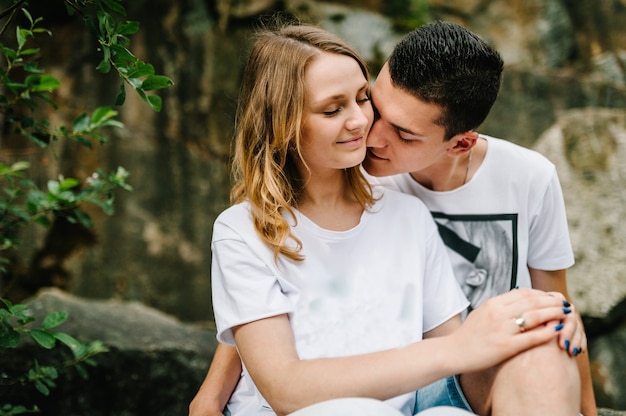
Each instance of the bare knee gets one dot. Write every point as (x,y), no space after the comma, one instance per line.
(541,380)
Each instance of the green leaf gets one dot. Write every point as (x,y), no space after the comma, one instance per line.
(136,83)
(54,319)
(42,388)
(9,337)
(20,165)
(42,30)
(82,140)
(53,187)
(104,66)
(21,35)
(156,82)
(28,16)
(122,56)
(81,123)
(44,82)
(155,102)
(48,83)
(102,114)
(121,97)
(74,345)
(50,373)
(128,28)
(83,218)
(30,51)
(17,308)
(6,302)
(33,68)
(43,220)
(68,183)
(115,6)
(106,24)
(43,338)
(34,139)
(10,53)
(141,69)
(81,371)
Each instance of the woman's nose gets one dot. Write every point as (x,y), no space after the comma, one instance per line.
(359,118)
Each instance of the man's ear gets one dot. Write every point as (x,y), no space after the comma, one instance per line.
(462,143)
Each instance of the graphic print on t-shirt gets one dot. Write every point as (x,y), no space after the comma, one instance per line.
(483,252)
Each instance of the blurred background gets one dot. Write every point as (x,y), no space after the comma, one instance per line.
(564,94)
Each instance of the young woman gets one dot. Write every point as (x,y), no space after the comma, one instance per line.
(327,287)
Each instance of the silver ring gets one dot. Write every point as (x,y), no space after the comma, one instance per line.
(520,322)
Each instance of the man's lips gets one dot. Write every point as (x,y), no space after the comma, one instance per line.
(372,155)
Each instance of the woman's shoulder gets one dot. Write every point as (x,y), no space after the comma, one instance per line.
(235,218)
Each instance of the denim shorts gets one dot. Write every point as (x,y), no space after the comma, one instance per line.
(445,392)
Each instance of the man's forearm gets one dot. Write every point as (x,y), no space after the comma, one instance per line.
(219,383)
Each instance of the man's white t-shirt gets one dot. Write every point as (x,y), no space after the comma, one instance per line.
(508,217)
(377,286)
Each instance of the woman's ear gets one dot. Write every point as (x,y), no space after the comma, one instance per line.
(462,143)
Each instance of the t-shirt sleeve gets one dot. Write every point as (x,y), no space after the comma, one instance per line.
(245,287)
(443,297)
(549,246)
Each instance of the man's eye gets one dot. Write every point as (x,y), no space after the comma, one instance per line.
(405,140)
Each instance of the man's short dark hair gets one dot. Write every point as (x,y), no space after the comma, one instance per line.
(445,64)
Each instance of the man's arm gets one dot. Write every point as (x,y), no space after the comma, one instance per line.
(555,281)
(219,384)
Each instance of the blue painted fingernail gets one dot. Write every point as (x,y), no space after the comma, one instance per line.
(576,351)
(567,344)
(558,327)
(566,304)
(566,310)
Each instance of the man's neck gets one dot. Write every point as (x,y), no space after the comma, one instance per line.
(452,172)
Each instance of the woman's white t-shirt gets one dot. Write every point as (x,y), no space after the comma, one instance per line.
(377,286)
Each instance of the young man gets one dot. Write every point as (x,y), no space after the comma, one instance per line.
(429,133)
(498,206)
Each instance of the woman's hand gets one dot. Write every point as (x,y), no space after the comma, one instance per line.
(508,324)
(572,337)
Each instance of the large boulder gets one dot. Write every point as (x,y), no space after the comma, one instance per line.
(154,367)
(588,147)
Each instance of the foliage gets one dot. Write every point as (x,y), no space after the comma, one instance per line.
(24,87)
(14,324)
(407,15)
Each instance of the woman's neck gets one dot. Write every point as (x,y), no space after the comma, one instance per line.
(330,203)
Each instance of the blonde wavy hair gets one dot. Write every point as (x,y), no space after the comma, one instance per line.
(268,130)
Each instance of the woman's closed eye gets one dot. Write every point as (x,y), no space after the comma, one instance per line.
(332,112)
(335,111)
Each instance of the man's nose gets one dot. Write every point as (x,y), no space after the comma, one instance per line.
(375,138)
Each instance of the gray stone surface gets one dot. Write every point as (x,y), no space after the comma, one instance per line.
(588,147)
(154,367)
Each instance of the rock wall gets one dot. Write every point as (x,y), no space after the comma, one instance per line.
(154,367)
(588,147)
